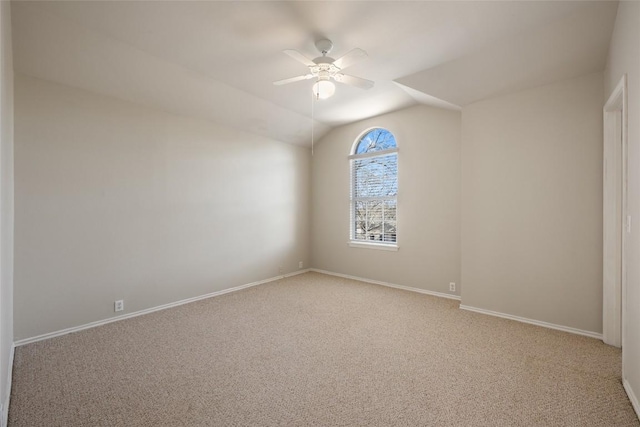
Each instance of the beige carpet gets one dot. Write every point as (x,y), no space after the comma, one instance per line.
(315,350)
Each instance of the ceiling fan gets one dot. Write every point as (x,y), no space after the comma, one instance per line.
(325,69)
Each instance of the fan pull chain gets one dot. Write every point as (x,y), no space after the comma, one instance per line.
(312,119)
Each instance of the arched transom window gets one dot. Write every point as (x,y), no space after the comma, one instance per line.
(374,188)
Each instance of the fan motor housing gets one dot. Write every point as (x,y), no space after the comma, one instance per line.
(323,60)
(324,46)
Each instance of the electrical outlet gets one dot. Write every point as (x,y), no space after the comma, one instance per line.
(452,287)
(300,264)
(280,269)
(118,305)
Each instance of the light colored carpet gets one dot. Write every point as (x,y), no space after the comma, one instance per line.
(316,350)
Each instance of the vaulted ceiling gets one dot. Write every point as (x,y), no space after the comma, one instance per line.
(217,60)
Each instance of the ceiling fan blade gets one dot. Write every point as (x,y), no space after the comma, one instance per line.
(299,57)
(293,79)
(350,58)
(354,81)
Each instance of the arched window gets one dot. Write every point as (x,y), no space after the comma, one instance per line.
(374,188)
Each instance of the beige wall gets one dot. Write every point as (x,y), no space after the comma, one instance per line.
(532,204)
(624,57)
(119,201)
(6,200)
(428,201)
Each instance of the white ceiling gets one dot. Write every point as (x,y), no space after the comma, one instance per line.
(217,60)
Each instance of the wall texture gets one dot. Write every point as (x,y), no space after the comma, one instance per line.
(624,57)
(532,204)
(119,201)
(428,201)
(6,201)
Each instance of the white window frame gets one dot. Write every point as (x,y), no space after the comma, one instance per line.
(385,246)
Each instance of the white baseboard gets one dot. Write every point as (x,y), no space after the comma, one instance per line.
(151,310)
(5,405)
(632,397)
(390,285)
(533,322)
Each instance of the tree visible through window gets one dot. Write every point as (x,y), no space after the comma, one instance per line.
(374,188)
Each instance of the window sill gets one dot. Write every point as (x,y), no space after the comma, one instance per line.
(378,246)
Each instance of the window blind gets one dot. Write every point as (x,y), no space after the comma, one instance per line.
(374,197)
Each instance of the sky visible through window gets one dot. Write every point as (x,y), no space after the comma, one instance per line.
(376,140)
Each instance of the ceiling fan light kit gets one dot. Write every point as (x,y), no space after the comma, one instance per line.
(324,69)
(323,89)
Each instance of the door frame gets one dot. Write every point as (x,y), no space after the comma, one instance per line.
(616,223)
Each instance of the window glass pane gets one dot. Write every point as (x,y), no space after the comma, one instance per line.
(376,140)
(368,220)
(360,218)
(389,224)
(376,176)
(375,220)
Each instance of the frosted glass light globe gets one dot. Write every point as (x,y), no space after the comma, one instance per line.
(323,89)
